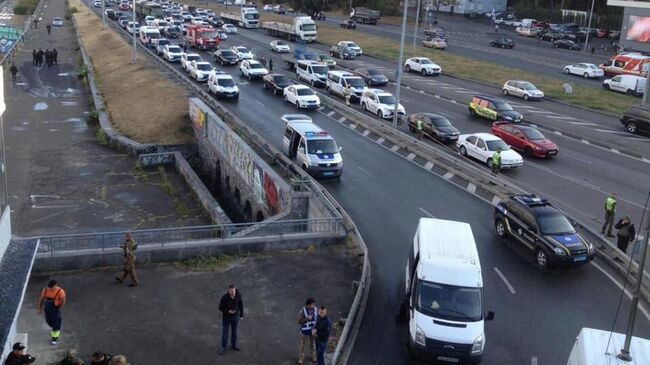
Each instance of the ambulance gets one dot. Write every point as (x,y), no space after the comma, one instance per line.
(627,63)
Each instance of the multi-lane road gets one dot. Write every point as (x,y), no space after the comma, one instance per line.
(538,313)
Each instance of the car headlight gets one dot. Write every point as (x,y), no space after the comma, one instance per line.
(420,339)
(507,117)
(558,251)
(477,346)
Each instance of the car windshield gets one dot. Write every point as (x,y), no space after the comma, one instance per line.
(355,82)
(351,45)
(318,146)
(281,80)
(593,67)
(372,72)
(309,27)
(441,122)
(252,16)
(426,61)
(242,49)
(304,92)
(493,145)
(454,303)
(193,57)
(226,82)
(281,43)
(528,86)
(211,34)
(204,66)
(163,42)
(386,99)
(555,224)
(502,106)
(533,134)
(325,57)
(319,69)
(227,53)
(162,24)
(174,49)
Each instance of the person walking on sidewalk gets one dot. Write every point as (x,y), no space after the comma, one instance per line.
(35,57)
(610,212)
(307,322)
(270,64)
(40,57)
(626,233)
(52,301)
(49,29)
(18,356)
(322,334)
(232,309)
(14,71)
(129,247)
(36,23)
(55,56)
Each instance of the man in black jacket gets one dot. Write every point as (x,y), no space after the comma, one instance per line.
(232,308)
(625,234)
(322,334)
(18,357)
(100,358)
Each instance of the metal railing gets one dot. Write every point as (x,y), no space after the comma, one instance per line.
(24,37)
(164,236)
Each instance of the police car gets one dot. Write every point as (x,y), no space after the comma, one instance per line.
(542,228)
(311,147)
(492,108)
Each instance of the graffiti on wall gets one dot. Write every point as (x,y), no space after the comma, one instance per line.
(197,116)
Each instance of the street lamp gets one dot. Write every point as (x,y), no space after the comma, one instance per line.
(399,65)
(417,20)
(135,45)
(591,13)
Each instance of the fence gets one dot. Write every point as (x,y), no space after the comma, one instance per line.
(107,240)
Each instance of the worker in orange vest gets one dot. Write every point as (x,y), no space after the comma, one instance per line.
(52,300)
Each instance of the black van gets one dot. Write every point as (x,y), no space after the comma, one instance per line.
(636,119)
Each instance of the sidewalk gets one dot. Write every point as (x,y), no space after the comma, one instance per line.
(173,316)
(61,179)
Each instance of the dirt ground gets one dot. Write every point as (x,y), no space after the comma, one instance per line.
(143,104)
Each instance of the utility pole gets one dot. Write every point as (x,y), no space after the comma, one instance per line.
(135,45)
(625,352)
(591,13)
(646,68)
(399,65)
(417,19)
(103,13)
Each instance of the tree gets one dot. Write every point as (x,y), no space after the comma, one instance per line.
(309,7)
(438,3)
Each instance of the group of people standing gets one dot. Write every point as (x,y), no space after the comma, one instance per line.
(626,232)
(50,57)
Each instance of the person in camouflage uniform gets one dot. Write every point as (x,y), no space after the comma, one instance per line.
(129,248)
(71,358)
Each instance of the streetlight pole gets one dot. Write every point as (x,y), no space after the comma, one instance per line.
(135,45)
(399,65)
(417,19)
(103,13)
(591,13)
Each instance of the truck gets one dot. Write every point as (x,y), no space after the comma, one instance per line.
(291,60)
(202,37)
(364,15)
(591,348)
(144,8)
(246,17)
(303,28)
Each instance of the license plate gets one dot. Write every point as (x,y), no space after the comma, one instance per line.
(580,258)
(552,152)
(448,359)
(328,173)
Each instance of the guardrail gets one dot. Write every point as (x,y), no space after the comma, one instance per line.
(24,37)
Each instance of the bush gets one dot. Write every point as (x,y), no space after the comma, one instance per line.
(25,7)
(21,10)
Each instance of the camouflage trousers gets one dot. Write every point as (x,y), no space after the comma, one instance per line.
(310,342)
(129,270)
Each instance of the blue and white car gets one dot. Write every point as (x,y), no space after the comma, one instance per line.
(312,148)
(172,53)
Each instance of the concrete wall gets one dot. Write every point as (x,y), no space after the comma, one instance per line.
(5,230)
(630,45)
(233,170)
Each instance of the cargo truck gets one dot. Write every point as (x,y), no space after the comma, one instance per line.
(144,8)
(364,15)
(246,17)
(598,347)
(202,37)
(303,28)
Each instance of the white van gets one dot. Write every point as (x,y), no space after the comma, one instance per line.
(528,23)
(591,348)
(338,81)
(311,147)
(148,33)
(629,84)
(444,290)
(313,72)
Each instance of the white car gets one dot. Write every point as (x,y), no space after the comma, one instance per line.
(351,45)
(301,96)
(222,85)
(252,69)
(382,103)
(132,27)
(186,58)
(222,35)
(482,146)
(97,3)
(268,7)
(200,70)
(172,53)
(229,28)
(422,65)
(242,53)
(280,46)
(57,22)
(586,70)
(527,32)
(523,89)
(150,20)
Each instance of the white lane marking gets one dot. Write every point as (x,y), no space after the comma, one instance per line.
(366,172)
(330,113)
(570,178)
(448,175)
(422,92)
(411,156)
(495,200)
(341,119)
(465,92)
(259,102)
(540,111)
(645,159)
(437,96)
(453,101)
(584,141)
(380,140)
(614,150)
(505,280)
(394,148)
(620,286)
(560,117)
(427,213)
(533,360)
(558,133)
(428,165)
(585,123)
(471,188)
(365,133)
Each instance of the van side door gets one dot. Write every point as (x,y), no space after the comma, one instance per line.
(286,140)
(301,154)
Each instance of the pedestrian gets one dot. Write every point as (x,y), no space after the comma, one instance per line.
(47,57)
(348,94)
(129,247)
(231,306)
(100,358)
(40,57)
(52,300)
(610,212)
(593,49)
(71,358)
(307,321)
(420,128)
(35,57)
(55,56)
(36,23)
(119,360)
(270,64)
(49,29)
(322,334)
(496,161)
(14,71)
(626,233)
(18,356)
(539,37)
(496,28)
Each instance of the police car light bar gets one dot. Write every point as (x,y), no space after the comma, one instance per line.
(311,134)
(531,199)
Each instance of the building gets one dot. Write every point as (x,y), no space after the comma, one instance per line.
(635,30)
(468,7)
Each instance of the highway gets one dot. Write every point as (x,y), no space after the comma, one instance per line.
(538,313)
(471,37)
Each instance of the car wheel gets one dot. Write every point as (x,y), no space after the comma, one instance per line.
(500,228)
(472,112)
(528,151)
(505,92)
(631,127)
(313,84)
(541,258)
(364,106)
(463,151)
(556,46)
(606,86)
(489,162)
(408,68)
(503,46)
(586,75)
(567,71)
(525,97)
(297,104)
(412,129)
(423,72)
(380,114)
(630,92)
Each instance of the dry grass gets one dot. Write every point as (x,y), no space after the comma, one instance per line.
(143,104)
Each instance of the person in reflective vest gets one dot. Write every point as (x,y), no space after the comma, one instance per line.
(496,161)
(307,320)
(52,300)
(420,127)
(610,212)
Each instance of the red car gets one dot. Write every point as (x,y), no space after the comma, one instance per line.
(602,33)
(525,138)
(124,6)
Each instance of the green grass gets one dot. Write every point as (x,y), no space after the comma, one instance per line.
(25,7)
(208,263)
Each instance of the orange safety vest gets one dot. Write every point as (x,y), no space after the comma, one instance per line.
(57,294)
